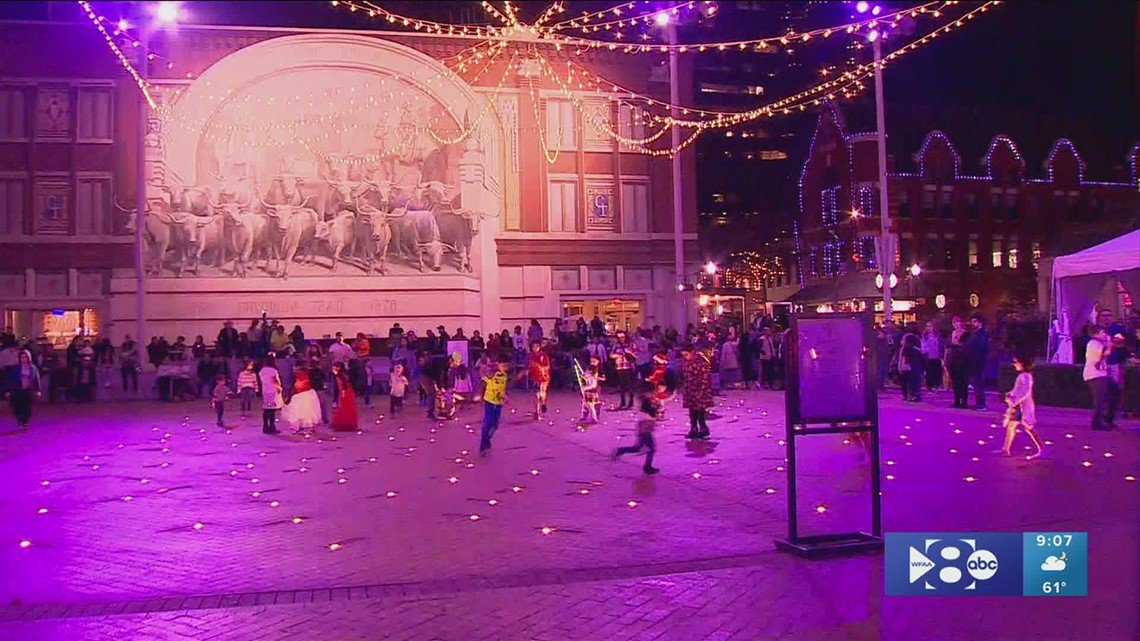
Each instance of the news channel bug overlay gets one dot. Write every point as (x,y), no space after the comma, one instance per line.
(953,563)
(1055,563)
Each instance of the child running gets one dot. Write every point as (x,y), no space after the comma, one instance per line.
(494,396)
(1021,409)
(650,407)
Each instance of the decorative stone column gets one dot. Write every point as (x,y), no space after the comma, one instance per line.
(475,196)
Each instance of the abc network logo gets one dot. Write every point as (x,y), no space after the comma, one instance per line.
(959,563)
(953,563)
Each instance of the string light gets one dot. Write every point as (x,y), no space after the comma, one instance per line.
(843,83)
(373,10)
(935,9)
(123,60)
(851,79)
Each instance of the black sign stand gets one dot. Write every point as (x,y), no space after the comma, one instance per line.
(800,423)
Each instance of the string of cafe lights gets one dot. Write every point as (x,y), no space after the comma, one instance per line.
(847,85)
(859,73)
(934,8)
(466,131)
(143,86)
(373,10)
(589,80)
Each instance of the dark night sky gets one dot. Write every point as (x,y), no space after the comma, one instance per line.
(1076,58)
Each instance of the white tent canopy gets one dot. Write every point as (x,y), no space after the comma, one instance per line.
(1079,278)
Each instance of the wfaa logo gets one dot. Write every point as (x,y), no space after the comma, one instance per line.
(953,564)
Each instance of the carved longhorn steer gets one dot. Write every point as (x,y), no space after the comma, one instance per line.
(338,233)
(297,227)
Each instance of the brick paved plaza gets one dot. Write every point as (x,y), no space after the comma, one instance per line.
(145,521)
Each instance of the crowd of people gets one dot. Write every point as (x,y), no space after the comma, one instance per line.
(309,382)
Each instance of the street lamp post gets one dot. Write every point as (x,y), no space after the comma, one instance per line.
(165,14)
(678,218)
(887,251)
(140,188)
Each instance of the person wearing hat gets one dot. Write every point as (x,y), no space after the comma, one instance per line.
(443,338)
(624,360)
(696,384)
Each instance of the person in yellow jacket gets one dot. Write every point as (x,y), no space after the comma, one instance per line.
(494,396)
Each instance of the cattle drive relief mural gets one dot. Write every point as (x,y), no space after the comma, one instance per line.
(310,173)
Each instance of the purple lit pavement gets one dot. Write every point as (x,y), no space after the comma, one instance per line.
(129,521)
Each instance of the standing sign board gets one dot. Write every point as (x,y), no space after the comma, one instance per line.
(831,389)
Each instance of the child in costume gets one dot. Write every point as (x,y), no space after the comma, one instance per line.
(1021,410)
(539,369)
(591,394)
(459,383)
(651,411)
(494,396)
(304,408)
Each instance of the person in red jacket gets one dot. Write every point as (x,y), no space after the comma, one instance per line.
(538,366)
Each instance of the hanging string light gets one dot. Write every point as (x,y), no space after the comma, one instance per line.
(373,10)
(143,86)
(594,81)
(935,9)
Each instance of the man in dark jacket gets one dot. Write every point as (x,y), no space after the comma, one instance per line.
(976,352)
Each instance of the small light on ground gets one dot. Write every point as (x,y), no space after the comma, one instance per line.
(25,544)
(297,519)
(632,503)
(198,526)
(474,517)
(452,480)
(334,547)
(547,530)
(42,510)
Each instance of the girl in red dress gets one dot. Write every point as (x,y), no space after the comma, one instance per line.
(344,419)
(539,366)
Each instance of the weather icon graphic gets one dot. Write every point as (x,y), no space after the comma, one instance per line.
(1054,564)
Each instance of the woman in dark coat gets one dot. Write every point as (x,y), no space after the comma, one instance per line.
(696,386)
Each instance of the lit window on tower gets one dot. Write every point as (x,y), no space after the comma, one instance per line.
(830,206)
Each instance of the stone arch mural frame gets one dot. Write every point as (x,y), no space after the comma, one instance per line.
(172,160)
